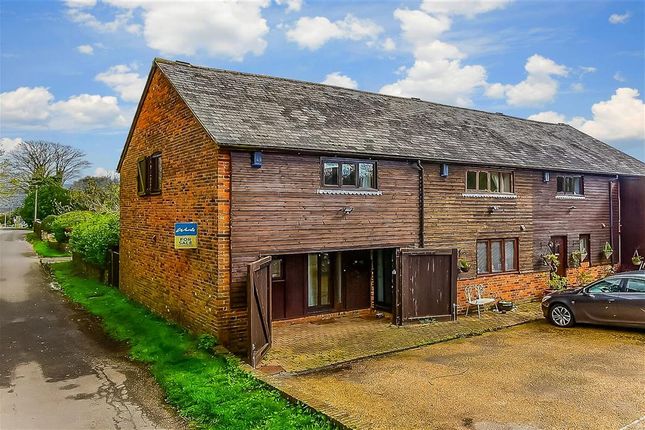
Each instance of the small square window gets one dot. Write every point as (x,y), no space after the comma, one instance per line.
(366,175)
(349,174)
(471,180)
(483,181)
(330,173)
(277,269)
(494,182)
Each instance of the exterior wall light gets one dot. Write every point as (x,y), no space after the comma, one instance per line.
(347,210)
(256,159)
(546,176)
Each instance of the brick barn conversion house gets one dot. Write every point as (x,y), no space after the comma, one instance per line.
(311,199)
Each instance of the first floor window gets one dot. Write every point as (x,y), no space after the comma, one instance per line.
(149,175)
(489,181)
(349,174)
(570,185)
(496,255)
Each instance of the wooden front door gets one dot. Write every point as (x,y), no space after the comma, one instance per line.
(560,249)
(259,309)
(356,267)
(426,285)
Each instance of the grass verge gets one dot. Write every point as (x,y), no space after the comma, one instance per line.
(43,249)
(209,389)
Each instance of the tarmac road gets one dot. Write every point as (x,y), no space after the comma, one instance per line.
(57,368)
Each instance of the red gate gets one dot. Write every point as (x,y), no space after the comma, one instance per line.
(259,309)
(426,284)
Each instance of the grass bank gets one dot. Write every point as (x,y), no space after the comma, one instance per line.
(43,249)
(209,389)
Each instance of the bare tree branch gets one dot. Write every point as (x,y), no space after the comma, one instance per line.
(38,159)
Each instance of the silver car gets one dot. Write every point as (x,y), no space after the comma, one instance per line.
(615,300)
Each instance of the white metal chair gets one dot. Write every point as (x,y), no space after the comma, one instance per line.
(475,297)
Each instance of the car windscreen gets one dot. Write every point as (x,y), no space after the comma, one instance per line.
(605,286)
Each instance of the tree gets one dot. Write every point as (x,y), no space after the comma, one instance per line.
(95,193)
(39,159)
(51,197)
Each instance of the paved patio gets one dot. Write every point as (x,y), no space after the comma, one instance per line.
(308,346)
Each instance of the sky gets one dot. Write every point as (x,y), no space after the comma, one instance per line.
(73,71)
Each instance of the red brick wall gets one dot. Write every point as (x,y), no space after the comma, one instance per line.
(524,286)
(180,285)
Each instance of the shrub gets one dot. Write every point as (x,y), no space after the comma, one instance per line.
(50,196)
(46,225)
(94,236)
(206,342)
(63,225)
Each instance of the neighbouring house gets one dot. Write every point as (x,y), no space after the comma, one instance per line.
(311,200)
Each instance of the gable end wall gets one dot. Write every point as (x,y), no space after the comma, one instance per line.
(180,285)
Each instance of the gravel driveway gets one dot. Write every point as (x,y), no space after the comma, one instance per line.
(532,376)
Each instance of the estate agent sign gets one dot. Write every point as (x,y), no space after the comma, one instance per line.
(185,235)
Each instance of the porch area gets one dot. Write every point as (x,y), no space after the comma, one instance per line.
(306,346)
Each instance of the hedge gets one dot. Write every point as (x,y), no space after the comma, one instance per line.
(92,237)
(63,225)
(46,224)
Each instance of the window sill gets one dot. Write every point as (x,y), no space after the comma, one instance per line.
(351,192)
(569,197)
(491,195)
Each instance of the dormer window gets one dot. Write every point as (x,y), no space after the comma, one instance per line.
(570,185)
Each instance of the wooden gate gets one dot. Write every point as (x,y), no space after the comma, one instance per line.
(426,284)
(259,309)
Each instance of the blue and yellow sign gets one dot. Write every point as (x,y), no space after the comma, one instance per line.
(185,235)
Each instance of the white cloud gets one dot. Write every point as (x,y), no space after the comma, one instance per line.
(538,88)
(619,18)
(418,27)
(622,117)
(224,28)
(25,105)
(7,144)
(619,77)
(124,81)
(312,33)
(35,108)
(468,8)
(438,73)
(340,80)
(107,173)
(548,116)
(577,87)
(292,5)
(85,49)
(388,44)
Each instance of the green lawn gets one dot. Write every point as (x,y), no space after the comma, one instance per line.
(43,249)
(209,389)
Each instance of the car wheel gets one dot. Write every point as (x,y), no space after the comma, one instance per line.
(561,315)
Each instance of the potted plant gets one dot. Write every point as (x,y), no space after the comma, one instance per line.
(637,260)
(556,282)
(575,259)
(607,250)
(583,278)
(464,265)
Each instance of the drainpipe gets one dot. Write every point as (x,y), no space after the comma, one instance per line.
(611,220)
(421,205)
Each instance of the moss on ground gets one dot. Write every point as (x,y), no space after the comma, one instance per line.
(209,389)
